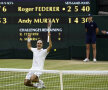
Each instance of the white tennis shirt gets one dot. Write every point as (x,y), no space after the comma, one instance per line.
(38,58)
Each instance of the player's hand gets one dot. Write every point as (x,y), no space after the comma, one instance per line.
(29,35)
(49,34)
(49,22)
(103,31)
(49,19)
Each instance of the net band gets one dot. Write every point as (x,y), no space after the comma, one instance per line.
(55,71)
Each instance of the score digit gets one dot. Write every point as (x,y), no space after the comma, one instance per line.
(3,20)
(84,20)
(3,9)
(69,8)
(76,9)
(76,20)
(85,8)
(69,19)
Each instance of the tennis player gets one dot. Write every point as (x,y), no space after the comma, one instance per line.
(39,55)
(91,31)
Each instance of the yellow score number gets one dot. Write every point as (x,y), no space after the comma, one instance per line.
(78,20)
(3,8)
(3,20)
(85,9)
(76,9)
(69,8)
(84,20)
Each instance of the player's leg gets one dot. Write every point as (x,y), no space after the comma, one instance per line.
(94,47)
(34,78)
(27,82)
(87,48)
(94,52)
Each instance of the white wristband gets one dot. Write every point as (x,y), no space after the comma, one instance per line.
(28,40)
(106,32)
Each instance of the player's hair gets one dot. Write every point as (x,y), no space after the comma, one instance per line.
(40,39)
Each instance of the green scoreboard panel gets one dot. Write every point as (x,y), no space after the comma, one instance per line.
(18,18)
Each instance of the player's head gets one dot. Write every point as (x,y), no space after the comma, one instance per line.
(39,44)
(90,18)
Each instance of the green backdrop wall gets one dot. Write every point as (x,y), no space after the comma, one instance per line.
(71,47)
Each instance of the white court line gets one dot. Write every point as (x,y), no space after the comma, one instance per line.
(86,88)
(11,84)
(70,87)
(10,76)
(25,75)
(6,77)
(85,81)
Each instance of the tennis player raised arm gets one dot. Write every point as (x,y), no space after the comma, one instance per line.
(50,43)
(29,42)
(49,35)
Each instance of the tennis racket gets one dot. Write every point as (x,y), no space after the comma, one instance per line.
(49,28)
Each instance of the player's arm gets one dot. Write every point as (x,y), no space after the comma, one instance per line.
(96,27)
(104,32)
(29,42)
(50,43)
(97,30)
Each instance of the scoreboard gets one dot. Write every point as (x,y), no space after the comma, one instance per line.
(57,6)
(37,11)
(18,18)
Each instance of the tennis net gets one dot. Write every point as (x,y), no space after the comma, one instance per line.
(13,79)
